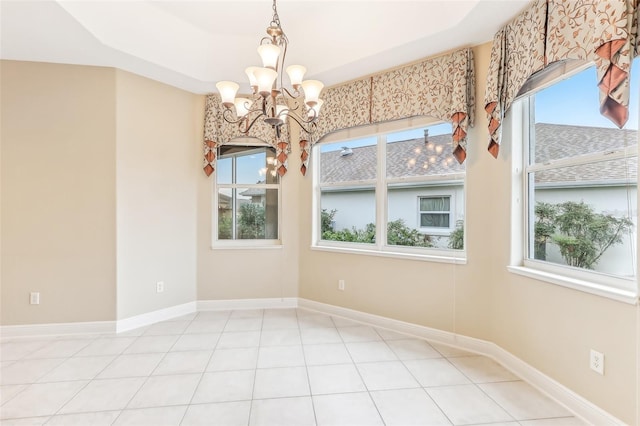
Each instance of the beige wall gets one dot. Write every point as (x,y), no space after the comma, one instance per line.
(143,138)
(249,273)
(547,326)
(58,192)
(159,132)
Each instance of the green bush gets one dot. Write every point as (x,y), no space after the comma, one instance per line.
(397,233)
(251,221)
(581,234)
(456,239)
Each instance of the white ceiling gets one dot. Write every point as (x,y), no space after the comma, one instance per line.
(194,44)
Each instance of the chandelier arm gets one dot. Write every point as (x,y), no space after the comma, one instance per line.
(311,128)
(249,126)
(296,93)
(228,115)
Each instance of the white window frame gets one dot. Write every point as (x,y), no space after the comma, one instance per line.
(380,185)
(518,126)
(217,243)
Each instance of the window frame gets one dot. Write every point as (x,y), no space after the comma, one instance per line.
(519,125)
(380,185)
(253,145)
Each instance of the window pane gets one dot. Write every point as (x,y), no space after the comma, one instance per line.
(225,214)
(224,170)
(348,161)
(251,168)
(580,216)
(413,205)
(436,220)
(435,204)
(348,215)
(256,213)
(416,156)
(249,210)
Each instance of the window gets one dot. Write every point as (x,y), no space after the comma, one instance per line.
(400,192)
(435,212)
(579,186)
(247,194)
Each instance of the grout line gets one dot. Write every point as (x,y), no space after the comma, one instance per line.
(306,367)
(195,390)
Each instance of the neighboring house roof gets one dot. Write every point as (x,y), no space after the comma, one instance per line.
(253,192)
(553,141)
(404,159)
(557,141)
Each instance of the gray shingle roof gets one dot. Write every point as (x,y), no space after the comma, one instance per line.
(556,141)
(553,141)
(404,159)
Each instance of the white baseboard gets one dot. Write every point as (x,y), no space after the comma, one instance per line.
(59,329)
(155,316)
(581,407)
(266,303)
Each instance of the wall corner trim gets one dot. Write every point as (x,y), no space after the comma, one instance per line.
(575,403)
(155,316)
(58,329)
(266,303)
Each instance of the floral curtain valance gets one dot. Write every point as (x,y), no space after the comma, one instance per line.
(442,87)
(604,31)
(218,132)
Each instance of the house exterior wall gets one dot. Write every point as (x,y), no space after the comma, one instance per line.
(357,208)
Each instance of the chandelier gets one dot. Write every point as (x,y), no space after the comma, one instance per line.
(270,100)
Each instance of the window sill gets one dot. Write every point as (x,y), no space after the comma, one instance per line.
(247,245)
(461,259)
(620,295)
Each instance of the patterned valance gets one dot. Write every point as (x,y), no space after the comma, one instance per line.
(603,31)
(441,87)
(218,132)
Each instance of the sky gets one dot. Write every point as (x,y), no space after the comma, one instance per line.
(583,106)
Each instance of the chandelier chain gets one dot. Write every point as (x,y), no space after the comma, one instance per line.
(276,19)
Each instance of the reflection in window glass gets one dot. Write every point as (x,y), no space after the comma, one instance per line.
(422,189)
(247,193)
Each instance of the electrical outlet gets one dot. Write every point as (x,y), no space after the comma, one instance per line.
(34,298)
(341,285)
(159,286)
(596,361)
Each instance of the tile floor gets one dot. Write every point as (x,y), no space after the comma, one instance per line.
(260,367)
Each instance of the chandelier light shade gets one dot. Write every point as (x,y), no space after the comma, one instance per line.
(271,101)
(228,90)
(312,89)
(243,105)
(296,73)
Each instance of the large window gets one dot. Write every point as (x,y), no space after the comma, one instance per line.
(399,192)
(580,185)
(247,194)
